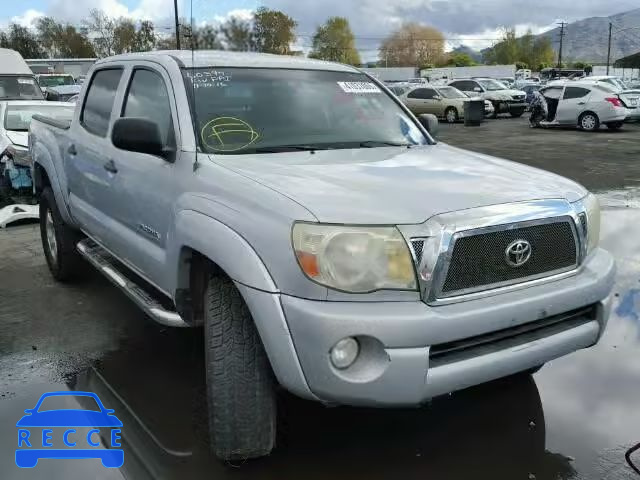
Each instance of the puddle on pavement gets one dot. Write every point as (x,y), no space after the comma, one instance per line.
(573,419)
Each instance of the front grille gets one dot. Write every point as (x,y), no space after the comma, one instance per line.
(479,261)
(471,347)
(418,246)
(518,97)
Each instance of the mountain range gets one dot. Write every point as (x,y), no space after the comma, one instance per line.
(587,40)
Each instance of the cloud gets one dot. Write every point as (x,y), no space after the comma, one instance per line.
(244,14)
(28,18)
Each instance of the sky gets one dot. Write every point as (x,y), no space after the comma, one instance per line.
(475,23)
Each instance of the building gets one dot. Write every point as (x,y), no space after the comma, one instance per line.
(73,66)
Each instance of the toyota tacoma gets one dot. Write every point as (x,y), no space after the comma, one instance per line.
(326,242)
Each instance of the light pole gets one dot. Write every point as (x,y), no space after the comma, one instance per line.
(175,12)
(609,49)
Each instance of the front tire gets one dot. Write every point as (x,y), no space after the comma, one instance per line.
(517,113)
(58,240)
(614,125)
(589,122)
(240,384)
(451,115)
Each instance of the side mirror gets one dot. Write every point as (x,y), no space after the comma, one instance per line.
(477,89)
(437,97)
(138,135)
(430,123)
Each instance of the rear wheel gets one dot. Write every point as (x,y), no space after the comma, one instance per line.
(589,122)
(614,125)
(58,240)
(240,383)
(451,115)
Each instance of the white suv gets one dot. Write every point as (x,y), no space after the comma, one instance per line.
(503,98)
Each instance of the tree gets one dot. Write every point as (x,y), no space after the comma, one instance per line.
(145,37)
(125,36)
(459,59)
(24,41)
(237,35)
(334,41)
(273,31)
(103,29)
(413,45)
(542,52)
(206,38)
(64,41)
(526,50)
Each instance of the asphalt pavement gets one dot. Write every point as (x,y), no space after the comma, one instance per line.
(572,420)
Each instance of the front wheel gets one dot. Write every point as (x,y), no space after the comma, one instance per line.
(451,115)
(58,240)
(614,125)
(589,122)
(517,113)
(240,384)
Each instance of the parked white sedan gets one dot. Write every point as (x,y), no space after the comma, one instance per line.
(585,104)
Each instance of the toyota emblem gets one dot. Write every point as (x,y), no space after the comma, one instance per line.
(518,253)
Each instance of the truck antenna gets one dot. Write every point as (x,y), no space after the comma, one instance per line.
(193,89)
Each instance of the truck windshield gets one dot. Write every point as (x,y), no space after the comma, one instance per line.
(18,117)
(258,110)
(55,80)
(14,87)
(492,85)
(450,92)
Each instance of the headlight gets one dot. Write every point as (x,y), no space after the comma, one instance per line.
(354,259)
(592,208)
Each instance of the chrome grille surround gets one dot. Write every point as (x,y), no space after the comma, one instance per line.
(494,272)
(439,235)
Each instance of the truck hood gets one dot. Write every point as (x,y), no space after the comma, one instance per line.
(65,89)
(18,138)
(503,94)
(397,185)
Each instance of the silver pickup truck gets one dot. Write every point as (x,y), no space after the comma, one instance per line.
(314,227)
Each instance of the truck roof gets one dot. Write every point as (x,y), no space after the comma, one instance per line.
(219,58)
(12,63)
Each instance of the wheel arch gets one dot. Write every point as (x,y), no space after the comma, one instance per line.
(587,112)
(194,272)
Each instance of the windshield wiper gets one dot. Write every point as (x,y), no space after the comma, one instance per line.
(382,143)
(285,148)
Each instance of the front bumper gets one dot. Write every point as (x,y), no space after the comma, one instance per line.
(395,337)
(508,106)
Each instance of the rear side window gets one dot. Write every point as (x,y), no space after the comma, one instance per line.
(148,98)
(99,101)
(423,93)
(575,92)
(465,85)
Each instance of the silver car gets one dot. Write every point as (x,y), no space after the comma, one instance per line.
(585,104)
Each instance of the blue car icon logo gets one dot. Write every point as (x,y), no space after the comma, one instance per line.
(39,428)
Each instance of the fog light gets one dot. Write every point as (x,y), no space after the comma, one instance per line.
(345,352)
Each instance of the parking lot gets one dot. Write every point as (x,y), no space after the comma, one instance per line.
(573,419)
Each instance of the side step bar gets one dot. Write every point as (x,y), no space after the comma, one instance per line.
(114,271)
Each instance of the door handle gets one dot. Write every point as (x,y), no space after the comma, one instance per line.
(110,167)
(582,103)
(72,150)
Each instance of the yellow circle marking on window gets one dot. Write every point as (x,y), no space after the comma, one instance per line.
(215,132)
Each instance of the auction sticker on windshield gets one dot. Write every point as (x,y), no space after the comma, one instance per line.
(359,87)
(69,425)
